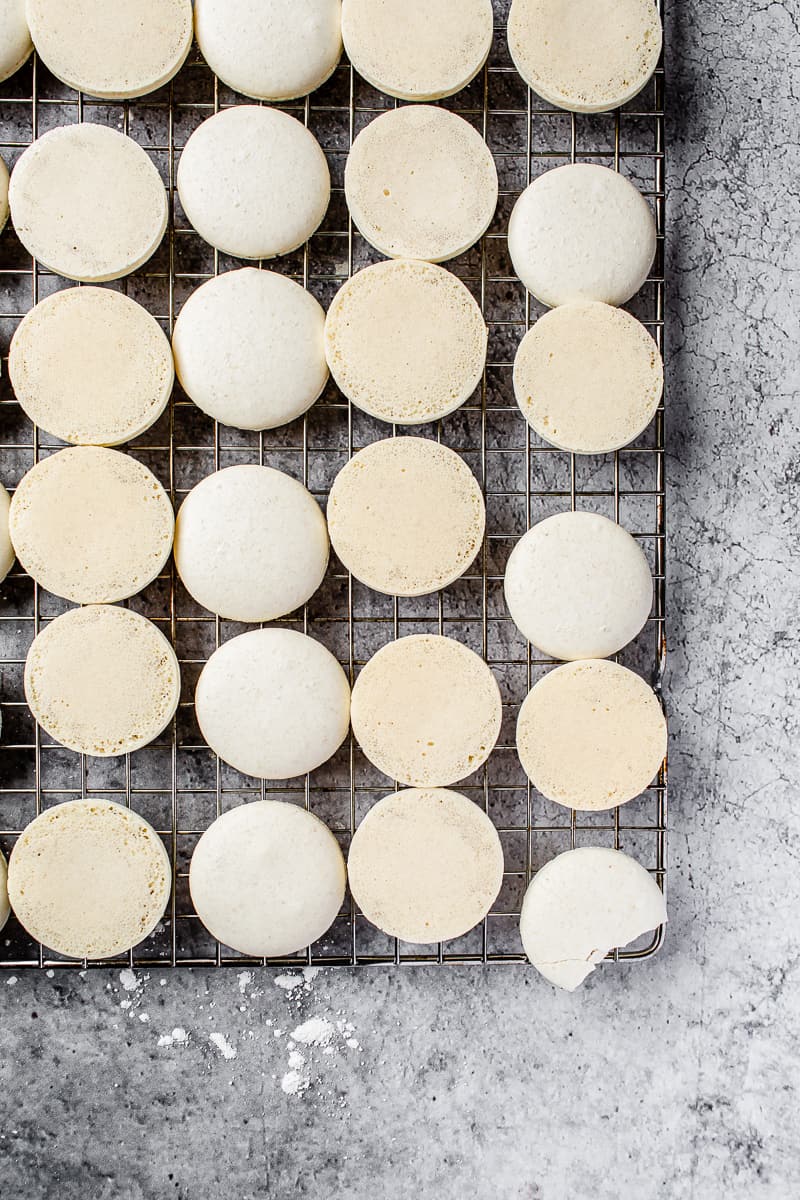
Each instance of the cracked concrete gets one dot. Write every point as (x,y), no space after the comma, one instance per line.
(677,1080)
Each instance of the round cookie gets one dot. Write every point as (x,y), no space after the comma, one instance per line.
(91,525)
(3,195)
(588,377)
(5,907)
(249,349)
(581,905)
(89,879)
(406,516)
(15,38)
(578,586)
(7,554)
(88,203)
(591,735)
(270,49)
(251,543)
(426,710)
(267,878)
(273,703)
(585,55)
(102,680)
(406,341)
(91,366)
(418,49)
(582,232)
(253,181)
(420,182)
(425,865)
(113,51)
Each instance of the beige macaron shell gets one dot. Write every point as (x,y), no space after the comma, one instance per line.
(102,680)
(418,49)
(92,525)
(91,366)
(267,878)
(591,735)
(7,554)
(3,195)
(112,51)
(5,907)
(585,55)
(273,703)
(89,879)
(425,865)
(251,543)
(420,182)
(406,341)
(15,38)
(582,232)
(588,377)
(406,516)
(88,203)
(270,49)
(253,181)
(249,349)
(581,905)
(426,710)
(578,585)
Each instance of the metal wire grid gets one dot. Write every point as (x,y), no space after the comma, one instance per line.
(177,783)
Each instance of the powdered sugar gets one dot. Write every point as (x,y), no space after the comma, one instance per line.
(227,1051)
(314,1032)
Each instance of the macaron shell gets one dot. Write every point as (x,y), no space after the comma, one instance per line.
(418,49)
(425,865)
(112,51)
(581,905)
(267,878)
(102,680)
(89,879)
(585,55)
(420,182)
(271,164)
(88,203)
(591,735)
(270,49)
(582,232)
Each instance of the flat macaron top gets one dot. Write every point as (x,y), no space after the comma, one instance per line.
(585,55)
(420,182)
(418,49)
(113,51)
(88,202)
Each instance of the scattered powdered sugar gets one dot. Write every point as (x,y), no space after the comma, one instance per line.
(313,1041)
(303,979)
(129,980)
(178,1037)
(289,982)
(227,1051)
(314,1032)
(294,1083)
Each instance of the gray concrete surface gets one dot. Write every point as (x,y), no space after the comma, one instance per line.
(675,1080)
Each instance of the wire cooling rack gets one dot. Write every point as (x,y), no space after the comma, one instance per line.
(177,783)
